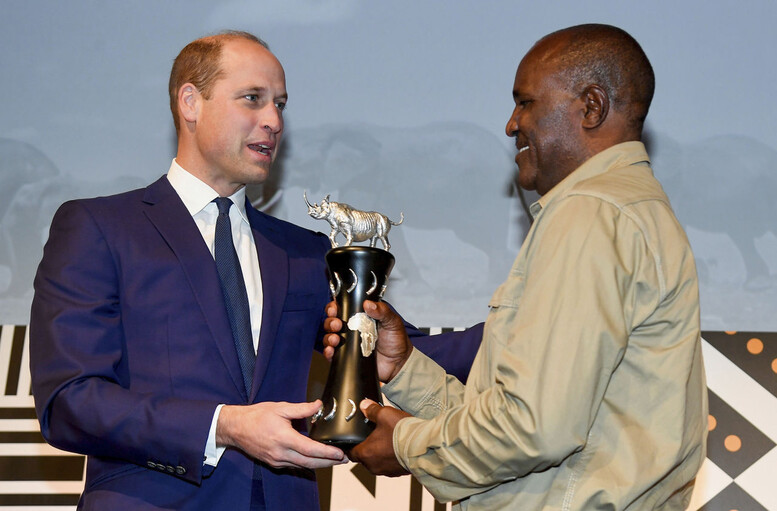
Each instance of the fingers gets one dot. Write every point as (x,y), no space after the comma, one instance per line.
(291,448)
(312,454)
(384,314)
(299,410)
(376,452)
(298,460)
(264,431)
(333,325)
(331,341)
(297,450)
(374,310)
(370,409)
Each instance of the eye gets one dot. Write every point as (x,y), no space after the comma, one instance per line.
(280,105)
(524,102)
(252,97)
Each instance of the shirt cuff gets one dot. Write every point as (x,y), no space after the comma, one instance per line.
(419,387)
(212,451)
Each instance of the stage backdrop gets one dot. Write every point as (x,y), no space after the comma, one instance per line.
(397,106)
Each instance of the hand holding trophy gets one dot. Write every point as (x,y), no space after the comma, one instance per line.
(356,274)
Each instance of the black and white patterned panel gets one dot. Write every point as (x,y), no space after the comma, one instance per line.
(739,472)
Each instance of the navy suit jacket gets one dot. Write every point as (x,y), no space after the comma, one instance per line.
(131,350)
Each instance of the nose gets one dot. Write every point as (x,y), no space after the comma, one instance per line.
(511,129)
(272,119)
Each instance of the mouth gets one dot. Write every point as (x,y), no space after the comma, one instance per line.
(262,148)
(522,149)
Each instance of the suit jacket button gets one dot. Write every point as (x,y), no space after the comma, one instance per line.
(151,464)
(180,470)
(170,469)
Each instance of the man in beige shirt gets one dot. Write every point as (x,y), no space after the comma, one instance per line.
(588,391)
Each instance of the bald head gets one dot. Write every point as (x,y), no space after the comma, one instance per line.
(606,56)
(577,92)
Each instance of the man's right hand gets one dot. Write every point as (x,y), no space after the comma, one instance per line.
(264,431)
(393,348)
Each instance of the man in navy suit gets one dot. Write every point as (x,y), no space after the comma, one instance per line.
(132,354)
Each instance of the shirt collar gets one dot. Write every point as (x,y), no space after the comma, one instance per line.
(619,155)
(196,194)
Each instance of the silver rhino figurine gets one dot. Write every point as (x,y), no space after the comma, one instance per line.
(354,224)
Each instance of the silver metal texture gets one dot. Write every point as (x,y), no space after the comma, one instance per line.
(354,224)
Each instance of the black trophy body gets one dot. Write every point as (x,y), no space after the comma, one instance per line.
(356,274)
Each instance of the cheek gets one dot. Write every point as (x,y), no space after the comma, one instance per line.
(242,122)
(553,134)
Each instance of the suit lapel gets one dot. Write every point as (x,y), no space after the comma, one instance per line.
(274,267)
(171,218)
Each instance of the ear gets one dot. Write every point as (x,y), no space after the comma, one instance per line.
(188,102)
(596,106)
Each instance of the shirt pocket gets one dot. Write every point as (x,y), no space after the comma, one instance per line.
(503,310)
(508,294)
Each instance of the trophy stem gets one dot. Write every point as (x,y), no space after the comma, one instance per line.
(356,274)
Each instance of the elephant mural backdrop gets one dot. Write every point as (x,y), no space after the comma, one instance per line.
(32,190)
(462,227)
(452,183)
(723,192)
(463,221)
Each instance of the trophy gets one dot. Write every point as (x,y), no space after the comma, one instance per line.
(356,274)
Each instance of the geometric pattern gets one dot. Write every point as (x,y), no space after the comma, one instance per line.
(740,471)
(733,443)
(733,497)
(751,352)
(33,475)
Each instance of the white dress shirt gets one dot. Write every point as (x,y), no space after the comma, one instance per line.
(198,199)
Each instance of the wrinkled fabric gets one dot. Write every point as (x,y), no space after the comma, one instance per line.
(588,390)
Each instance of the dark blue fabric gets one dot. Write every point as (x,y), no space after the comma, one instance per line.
(257,491)
(132,275)
(234,288)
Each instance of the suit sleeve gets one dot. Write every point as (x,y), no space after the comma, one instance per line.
(453,351)
(80,371)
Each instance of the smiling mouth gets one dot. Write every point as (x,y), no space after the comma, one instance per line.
(261,149)
(522,149)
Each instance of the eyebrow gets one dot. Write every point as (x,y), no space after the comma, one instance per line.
(260,91)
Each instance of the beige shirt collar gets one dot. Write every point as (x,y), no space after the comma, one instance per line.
(620,155)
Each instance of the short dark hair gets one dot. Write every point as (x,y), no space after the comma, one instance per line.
(198,64)
(611,58)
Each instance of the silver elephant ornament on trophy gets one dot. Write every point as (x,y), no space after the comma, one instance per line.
(356,273)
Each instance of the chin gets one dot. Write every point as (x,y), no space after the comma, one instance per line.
(258,174)
(526,184)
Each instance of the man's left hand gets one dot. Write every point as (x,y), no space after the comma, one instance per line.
(376,453)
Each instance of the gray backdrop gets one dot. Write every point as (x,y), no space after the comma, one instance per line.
(398,106)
